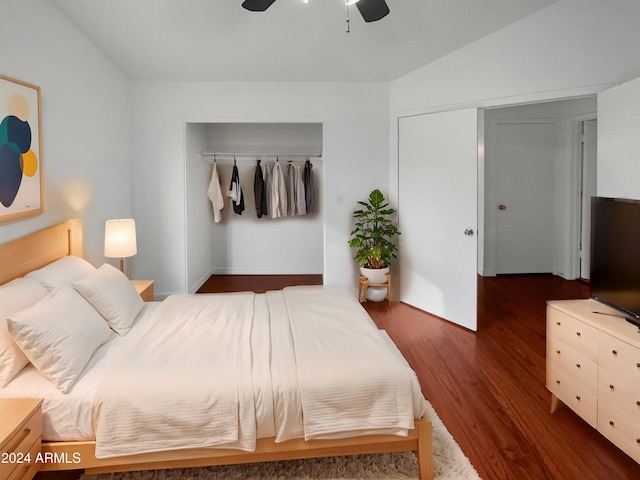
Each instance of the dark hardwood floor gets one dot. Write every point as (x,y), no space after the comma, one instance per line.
(256,283)
(488,387)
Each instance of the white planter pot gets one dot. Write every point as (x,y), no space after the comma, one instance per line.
(375,275)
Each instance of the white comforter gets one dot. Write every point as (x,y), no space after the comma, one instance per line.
(222,370)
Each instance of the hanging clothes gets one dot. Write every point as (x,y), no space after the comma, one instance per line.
(301,195)
(215,194)
(235,191)
(309,187)
(296,190)
(266,174)
(291,189)
(259,191)
(278,192)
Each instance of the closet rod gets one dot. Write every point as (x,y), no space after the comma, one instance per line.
(256,154)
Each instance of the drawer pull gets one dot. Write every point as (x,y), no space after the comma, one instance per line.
(611,387)
(578,333)
(638,364)
(637,440)
(14,446)
(578,365)
(612,423)
(577,397)
(638,402)
(558,382)
(558,352)
(615,352)
(558,323)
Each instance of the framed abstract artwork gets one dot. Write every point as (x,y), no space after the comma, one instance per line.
(20,150)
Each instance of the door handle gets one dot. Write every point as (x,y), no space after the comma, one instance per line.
(502,207)
(468,232)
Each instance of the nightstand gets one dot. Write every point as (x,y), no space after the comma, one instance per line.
(20,437)
(144,288)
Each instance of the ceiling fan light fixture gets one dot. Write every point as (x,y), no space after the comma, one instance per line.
(371,10)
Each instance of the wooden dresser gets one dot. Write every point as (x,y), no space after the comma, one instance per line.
(20,437)
(593,366)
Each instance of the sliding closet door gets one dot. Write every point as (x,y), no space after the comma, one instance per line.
(438,205)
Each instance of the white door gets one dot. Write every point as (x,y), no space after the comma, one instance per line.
(589,160)
(438,209)
(524,210)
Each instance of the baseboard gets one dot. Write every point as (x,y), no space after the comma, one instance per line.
(198,283)
(266,271)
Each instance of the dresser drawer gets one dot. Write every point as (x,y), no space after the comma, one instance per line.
(571,331)
(622,395)
(622,432)
(27,470)
(620,357)
(573,394)
(582,369)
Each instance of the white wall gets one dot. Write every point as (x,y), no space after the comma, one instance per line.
(199,215)
(85,120)
(355,159)
(619,141)
(570,49)
(574,46)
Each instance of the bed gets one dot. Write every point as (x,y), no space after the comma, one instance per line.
(96,438)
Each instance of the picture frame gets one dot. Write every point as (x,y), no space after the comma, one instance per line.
(21,192)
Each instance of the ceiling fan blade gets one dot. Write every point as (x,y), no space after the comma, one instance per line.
(372,10)
(257,5)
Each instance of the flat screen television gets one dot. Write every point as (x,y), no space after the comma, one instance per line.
(615,255)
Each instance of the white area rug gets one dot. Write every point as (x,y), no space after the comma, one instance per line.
(450,463)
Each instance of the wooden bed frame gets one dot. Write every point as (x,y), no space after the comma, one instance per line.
(33,251)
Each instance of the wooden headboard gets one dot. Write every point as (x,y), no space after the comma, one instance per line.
(38,249)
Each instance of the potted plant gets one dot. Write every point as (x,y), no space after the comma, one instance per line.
(373,239)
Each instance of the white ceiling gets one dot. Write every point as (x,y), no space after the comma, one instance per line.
(218,40)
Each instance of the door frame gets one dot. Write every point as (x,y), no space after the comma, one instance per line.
(574,266)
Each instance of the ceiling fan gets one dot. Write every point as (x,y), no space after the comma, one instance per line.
(371,10)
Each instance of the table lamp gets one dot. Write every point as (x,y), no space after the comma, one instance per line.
(120,239)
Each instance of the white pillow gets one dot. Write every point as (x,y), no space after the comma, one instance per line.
(62,272)
(59,335)
(113,296)
(15,296)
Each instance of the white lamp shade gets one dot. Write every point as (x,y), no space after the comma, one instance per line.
(120,238)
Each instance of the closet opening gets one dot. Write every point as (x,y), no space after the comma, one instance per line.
(243,246)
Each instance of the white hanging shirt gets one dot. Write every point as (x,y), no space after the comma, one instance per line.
(215,194)
(278,192)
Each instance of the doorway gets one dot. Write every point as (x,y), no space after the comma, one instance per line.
(535,219)
(431,169)
(228,247)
